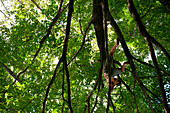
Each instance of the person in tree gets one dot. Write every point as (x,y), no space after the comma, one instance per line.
(109,68)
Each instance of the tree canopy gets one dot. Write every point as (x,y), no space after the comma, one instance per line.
(52,54)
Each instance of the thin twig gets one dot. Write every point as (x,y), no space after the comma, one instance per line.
(83,42)
(5,7)
(88,99)
(11,73)
(36,4)
(4,14)
(99,83)
(147,64)
(49,85)
(146,12)
(146,77)
(128,88)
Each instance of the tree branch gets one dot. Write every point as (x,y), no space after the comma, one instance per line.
(95,87)
(147,64)
(101,35)
(63,86)
(84,35)
(46,36)
(159,46)
(36,4)
(83,42)
(98,26)
(49,85)
(141,27)
(141,18)
(128,55)
(4,14)
(11,73)
(147,11)
(96,97)
(68,84)
(66,39)
(5,7)
(149,38)
(128,88)
(151,76)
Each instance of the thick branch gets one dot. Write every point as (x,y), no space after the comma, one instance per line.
(101,34)
(149,38)
(54,76)
(159,76)
(63,85)
(84,35)
(63,58)
(128,55)
(105,17)
(66,39)
(98,26)
(68,84)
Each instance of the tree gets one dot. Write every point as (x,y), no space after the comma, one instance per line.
(52,55)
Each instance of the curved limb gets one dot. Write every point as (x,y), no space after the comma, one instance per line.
(113,49)
(123,66)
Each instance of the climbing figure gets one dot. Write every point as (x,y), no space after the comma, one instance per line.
(109,66)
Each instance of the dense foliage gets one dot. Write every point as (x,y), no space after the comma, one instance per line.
(35,52)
